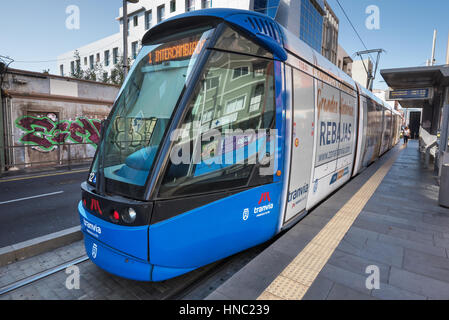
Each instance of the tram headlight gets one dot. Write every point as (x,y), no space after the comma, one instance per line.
(129,216)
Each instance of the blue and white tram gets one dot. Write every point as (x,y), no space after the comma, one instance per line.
(227,130)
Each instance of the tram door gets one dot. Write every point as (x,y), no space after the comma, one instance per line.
(303,115)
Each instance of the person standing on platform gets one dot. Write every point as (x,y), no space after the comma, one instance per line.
(406,135)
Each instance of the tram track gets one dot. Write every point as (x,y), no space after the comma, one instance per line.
(176,288)
(41,275)
(177,292)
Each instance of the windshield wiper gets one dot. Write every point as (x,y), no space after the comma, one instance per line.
(101,182)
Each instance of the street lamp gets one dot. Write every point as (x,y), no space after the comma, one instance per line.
(125,36)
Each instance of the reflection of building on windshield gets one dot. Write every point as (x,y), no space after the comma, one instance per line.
(233,95)
(145,106)
(236,97)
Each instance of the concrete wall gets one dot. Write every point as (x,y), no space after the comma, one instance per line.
(44,111)
(359,72)
(343,61)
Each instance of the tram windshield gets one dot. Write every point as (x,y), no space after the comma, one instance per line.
(141,113)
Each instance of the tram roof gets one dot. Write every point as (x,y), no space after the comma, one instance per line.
(266,32)
(261,28)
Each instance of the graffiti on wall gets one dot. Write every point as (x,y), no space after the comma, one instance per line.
(46,133)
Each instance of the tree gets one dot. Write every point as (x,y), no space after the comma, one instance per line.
(90,74)
(78,72)
(95,74)
(117,73)
(104,77)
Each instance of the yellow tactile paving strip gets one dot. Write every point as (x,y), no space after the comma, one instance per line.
(298,276)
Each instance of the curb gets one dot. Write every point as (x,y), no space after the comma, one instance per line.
(37,174)
(33,247)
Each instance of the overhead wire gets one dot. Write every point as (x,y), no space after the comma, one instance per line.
(355,30)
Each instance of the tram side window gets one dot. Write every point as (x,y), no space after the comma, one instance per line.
(216,145)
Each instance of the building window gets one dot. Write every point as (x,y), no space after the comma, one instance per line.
(173,6)
(240,72)
(72,67)
(61,69)
(205,4)
(212,83)
(256,99)
(91,61)
(136,21)
(311,29)
(115,55)
(85,61)
(160,13)
(235,105)
(106,58)
(148,19)
(190,5)
(98,57)
(134,49)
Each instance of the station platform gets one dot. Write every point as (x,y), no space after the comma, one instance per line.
(381,236)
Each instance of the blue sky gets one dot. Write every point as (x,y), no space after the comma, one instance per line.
(35,30)
(406,31)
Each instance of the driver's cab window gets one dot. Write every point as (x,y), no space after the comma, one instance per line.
(218,142)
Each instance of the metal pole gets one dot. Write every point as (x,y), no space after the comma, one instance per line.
(2,137)
(125,39)
(444,129)
(432,62)
(447,50)
(69,157)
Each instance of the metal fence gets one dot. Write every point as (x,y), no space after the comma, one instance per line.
(64,155)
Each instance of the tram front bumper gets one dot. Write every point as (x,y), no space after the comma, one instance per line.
(104,243)
(116,262)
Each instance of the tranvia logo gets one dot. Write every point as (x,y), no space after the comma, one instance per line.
(95,206)
(299,193)
(266,208)
(94,251)
(93,229)
(264,197)
(245,214)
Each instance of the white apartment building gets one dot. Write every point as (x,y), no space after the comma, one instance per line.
(302,17)
(142,16)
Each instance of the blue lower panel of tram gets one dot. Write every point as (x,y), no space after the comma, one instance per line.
(217,230)
(187,241)
(116,262)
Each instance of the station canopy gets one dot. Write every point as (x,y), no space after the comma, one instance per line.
(414,80)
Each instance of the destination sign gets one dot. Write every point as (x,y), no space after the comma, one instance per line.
(177,50)
(410,94)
